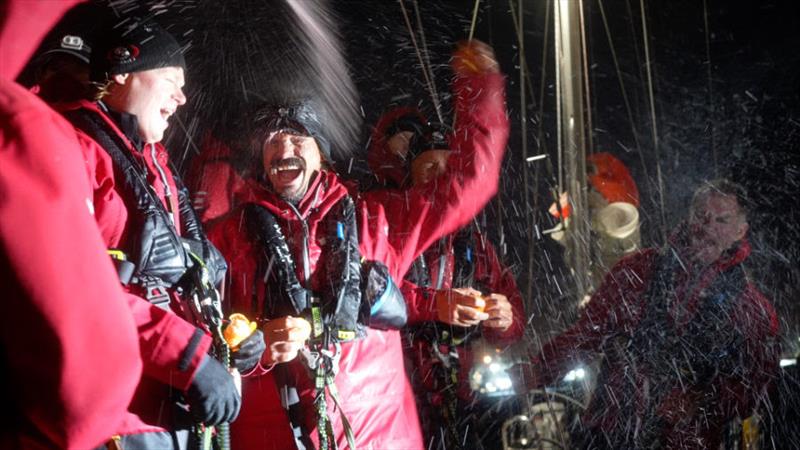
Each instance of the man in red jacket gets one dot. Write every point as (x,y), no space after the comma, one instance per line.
(146,218)
(70,359)
(456,292)
(297,245)
(688,341)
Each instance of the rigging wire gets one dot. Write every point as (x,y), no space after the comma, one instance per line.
(518,21)
(654,125)
(427,57)
(587,96)
(622,88)
(634,39)
(540,135)
(428,80)
(710,90)
(531,219)
(474,19)
(559,143)
(524,62)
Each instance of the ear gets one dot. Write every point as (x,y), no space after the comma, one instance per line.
(120,78)
(742,231)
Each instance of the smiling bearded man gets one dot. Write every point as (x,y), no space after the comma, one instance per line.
(296,246)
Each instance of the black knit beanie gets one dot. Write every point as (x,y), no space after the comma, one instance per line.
(425,136)
(301,117)
(144,47)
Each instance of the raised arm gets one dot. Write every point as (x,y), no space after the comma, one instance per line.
(397,227)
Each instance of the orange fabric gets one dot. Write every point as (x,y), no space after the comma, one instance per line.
(612,179)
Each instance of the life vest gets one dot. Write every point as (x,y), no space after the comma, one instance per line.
(339,305)
(439,381)
(161,258)
(464,254)
(333,313)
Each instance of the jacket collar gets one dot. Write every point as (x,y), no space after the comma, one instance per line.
(324,191)
(127,123)
(735,255)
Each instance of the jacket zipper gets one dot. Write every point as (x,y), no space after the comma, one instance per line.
(306,258)
(163,175)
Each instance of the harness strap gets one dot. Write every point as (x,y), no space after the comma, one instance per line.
(450,361)
(324,382)
(348,429)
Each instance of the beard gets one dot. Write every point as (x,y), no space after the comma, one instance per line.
(289,194)
(293,197)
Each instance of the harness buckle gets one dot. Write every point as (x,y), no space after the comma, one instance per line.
(449,359)
(332,358)
(311,357)
(156,293)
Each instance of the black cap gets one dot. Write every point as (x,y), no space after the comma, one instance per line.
(144,47)
(426,136)
(300,117)
(69,44)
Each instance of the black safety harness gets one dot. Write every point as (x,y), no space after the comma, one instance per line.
(157,259)
(446,336)
(334,313)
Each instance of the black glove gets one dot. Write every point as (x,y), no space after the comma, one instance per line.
(249,352)
(212,396)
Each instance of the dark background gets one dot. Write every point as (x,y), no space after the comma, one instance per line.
(725,83)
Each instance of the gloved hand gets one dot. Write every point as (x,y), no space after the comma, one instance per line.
(213,397)
(248,352)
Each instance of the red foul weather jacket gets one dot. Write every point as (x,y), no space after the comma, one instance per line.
(70,356)
(490,277)
(691,416)
(393,228)
(163,336)
(213,181)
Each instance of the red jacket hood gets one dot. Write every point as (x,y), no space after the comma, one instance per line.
(23,24)
(386,165)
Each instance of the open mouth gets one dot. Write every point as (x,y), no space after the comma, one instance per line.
(287,169)
(166,113)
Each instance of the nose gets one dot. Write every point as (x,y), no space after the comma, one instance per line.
(179,97)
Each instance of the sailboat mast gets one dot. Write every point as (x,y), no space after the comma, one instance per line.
(572,117)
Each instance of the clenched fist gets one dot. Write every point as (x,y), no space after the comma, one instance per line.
(462,307)
(284,336)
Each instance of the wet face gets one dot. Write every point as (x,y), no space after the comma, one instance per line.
(716,223)
(428,165)
(399,143)
(152,96)
(290,161)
